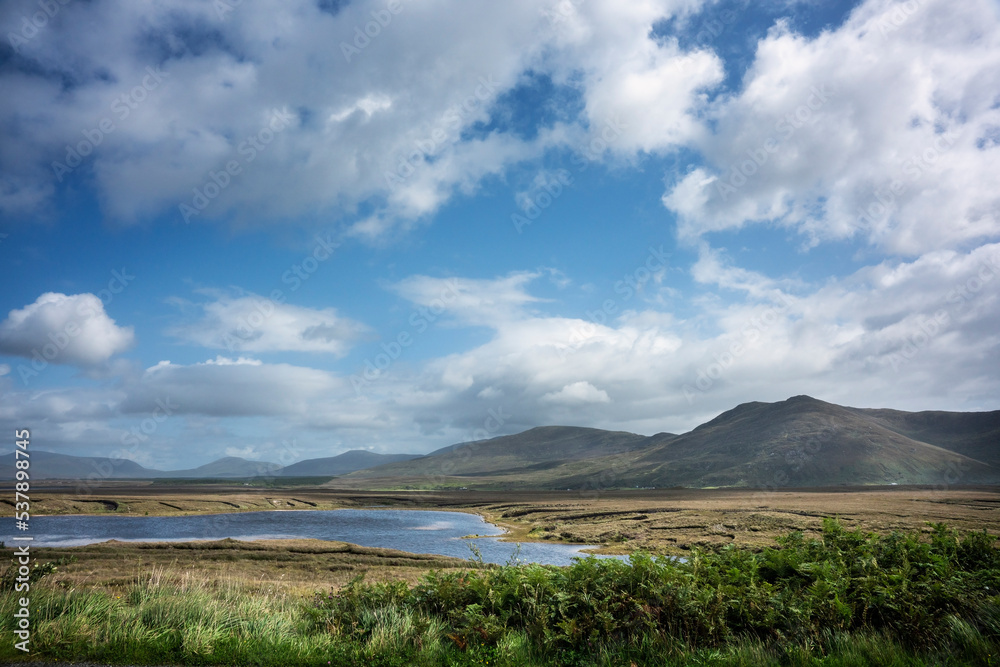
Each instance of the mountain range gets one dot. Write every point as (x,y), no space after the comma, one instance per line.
(49,465)
(800,442)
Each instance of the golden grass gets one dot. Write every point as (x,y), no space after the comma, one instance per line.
(287,566)
(666,521)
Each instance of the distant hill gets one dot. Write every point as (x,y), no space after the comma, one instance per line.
(356,459)
(49,465)
(229,466)
(538,449)
(973,434)
(798,442)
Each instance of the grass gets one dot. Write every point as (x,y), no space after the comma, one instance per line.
(844,598)
(296,566)
(663,521)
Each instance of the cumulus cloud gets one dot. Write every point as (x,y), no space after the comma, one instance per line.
(919,334)
(252,323)
(153,107)
(578,393)
(469,300)
(230,387)
(879,129)
(64,329)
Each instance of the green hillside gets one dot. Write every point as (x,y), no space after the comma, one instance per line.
(798,442)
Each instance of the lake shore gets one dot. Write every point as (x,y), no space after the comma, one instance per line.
(667,521)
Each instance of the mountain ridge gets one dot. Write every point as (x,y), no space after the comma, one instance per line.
(801,441)
(53,465)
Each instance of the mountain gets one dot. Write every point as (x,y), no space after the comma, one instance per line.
(801,442)
(356,459)
(49,465)
(229,466)
(973,434)
(535,450)
(798,442)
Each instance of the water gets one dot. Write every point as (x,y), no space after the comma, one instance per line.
(416,531)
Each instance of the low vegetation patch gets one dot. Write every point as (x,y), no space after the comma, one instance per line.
(844,598)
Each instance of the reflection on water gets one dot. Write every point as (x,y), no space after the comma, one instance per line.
(416,531)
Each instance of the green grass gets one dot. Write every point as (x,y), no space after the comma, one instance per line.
(846,599)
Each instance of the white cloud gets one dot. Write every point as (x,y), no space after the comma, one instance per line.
(873,129)
(249,452)
(859,340)
(918,334)
(252,323)
(578,393)
(65,330)
(383,126)
(231,387)
(469,300)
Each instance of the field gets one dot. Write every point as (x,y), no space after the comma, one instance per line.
(665,522)
(220,587)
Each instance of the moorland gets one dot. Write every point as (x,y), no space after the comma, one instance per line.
(781,560)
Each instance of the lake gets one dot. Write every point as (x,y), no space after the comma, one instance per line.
(416,531)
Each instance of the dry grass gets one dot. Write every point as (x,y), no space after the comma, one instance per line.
(288,566)
(625,522)
(666,521)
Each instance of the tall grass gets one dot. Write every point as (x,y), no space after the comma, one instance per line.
(846,599)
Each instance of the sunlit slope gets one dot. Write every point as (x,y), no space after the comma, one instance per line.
(533,451)
(798,442)
(801,442)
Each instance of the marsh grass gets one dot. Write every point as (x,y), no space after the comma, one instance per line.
(848,598)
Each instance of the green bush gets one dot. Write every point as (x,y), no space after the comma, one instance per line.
(913,591)
(846,598)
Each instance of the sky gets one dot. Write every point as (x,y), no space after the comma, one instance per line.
(285,229)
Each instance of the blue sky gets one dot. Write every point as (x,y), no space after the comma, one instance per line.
(252,229)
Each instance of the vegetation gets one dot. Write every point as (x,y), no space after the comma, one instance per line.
(799,442)
(844,598)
